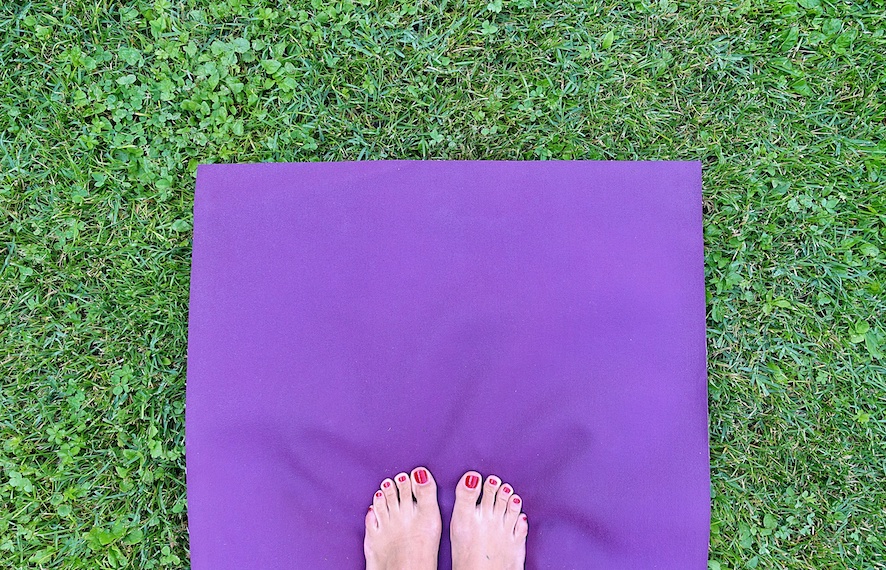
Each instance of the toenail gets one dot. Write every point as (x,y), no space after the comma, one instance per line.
(506,490)
(421,476)
(493,482)
(516,500)
(524,516)
(402,478)
(387,484)
(471,481)
(378,495)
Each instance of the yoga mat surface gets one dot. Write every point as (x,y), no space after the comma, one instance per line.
(540,321)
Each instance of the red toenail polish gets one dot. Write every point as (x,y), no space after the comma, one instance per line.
(421,476)
(524,516)
(370,508)
(471,481)
(506,490)
(387,484)
(402,478)
(493,482)
(378,495)
(516,500)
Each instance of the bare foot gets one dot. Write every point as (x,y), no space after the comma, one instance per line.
(403,524)
(491,535)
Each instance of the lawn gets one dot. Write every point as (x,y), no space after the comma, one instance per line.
(105,111)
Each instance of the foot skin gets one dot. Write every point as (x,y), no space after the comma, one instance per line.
(491,535)
(403,524)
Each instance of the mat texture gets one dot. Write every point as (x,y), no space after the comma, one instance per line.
(541,321)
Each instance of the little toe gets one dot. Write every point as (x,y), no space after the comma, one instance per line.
(390,492)
(501,499)
(522,528)
(371,520)
(424,488)
(404,489)
(512,514)
(490,488)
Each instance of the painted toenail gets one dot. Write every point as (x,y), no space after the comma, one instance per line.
(378,494)
(516,500)
(506,490)
(402,478)
(387,484)
(524,516)
(421,476)
(471,481)
(493,482)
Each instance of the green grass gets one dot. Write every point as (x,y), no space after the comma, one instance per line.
(106,111)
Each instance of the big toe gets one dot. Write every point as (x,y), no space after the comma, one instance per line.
(467,492)
(424,487)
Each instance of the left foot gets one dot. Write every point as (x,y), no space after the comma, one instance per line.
(403,524)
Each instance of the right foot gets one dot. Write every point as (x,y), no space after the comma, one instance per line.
(491,535)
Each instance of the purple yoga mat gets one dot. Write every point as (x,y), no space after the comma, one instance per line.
(540,321)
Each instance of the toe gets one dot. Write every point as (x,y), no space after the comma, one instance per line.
(404,488)
(490,488)
(501,499)
(380,507)
(371,521)
(390,492)
(467,492)
(512,514)
(522,527)
(424,488)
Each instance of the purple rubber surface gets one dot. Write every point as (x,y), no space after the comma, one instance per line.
(540,321)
